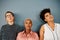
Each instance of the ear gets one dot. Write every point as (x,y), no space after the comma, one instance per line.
(45,19)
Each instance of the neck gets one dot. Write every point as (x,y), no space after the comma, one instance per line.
(51,24)
(27,31)
(11,23)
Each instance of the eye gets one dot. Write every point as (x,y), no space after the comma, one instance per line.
(46,16)
(26,23)
(6,15)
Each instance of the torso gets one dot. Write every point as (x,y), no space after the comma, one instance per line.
(49,34)
(9,32)
(30,36)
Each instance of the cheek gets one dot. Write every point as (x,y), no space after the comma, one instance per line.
(25,25)
(31,25)
(28,25)
(47,19)
(7,19)
(12,18)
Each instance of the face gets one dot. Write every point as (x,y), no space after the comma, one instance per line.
(28,24)
(9,17)
(48,17)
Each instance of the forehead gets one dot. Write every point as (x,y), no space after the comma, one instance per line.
(28,20)
(8,14)
(47,13)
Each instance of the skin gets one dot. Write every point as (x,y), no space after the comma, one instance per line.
(9,19)
(28,25)
(50,21)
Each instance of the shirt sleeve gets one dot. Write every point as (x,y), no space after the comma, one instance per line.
(36,36)
(18,36)
(0,35)
(1,32)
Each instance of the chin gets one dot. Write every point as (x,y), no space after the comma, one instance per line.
(51,19)
(10,20)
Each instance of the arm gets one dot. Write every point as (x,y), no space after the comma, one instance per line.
(1,32)
(0,35)
(17,37)
(41,32)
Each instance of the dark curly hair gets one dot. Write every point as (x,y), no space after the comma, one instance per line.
(43,12)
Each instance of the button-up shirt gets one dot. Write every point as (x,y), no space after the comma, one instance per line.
(31,36)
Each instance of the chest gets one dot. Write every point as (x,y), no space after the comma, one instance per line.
(50,34)
(28,37)
(10,30)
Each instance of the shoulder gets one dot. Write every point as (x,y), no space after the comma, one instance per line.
(21,33)
(16,25)
(57,23)
(3,26)
(42,27)
(34,33)
(19,28)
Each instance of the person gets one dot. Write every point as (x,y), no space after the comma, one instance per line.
(50,30)
(27,34)
(10,30)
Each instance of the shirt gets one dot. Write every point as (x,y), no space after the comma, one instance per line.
(9,32)
(30,36)
(49,34)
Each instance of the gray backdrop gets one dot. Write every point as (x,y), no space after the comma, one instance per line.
(29,9)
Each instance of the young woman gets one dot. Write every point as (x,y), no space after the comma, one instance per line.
(50,30)
(27,34)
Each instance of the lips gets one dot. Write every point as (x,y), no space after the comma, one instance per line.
(28,26)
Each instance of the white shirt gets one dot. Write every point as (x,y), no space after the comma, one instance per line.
(49,34)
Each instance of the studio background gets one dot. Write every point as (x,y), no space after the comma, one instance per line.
(29,9)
